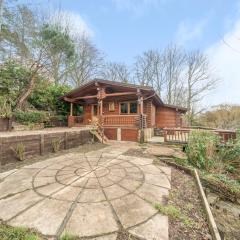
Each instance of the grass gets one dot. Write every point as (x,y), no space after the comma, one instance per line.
(173,212)
(67,236)
(17,233)
(21,233)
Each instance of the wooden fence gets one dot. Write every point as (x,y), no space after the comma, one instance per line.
(41,143)
(181,135)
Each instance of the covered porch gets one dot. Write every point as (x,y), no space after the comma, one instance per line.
(108,105)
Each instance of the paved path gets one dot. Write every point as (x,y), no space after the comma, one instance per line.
(92,195)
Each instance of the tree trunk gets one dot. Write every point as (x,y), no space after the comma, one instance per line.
(26,93)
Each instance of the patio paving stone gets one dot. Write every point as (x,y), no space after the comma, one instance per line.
(93,195)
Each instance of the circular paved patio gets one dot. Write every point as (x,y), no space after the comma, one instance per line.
(91,195)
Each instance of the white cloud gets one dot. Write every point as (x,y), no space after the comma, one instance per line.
(137,7)
(73,21)
(225,57)
(187,32)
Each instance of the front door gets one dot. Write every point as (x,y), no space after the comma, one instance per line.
(94,113)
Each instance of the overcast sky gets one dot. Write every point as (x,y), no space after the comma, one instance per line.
(123,29)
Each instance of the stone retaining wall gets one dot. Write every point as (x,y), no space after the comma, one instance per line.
(40,144)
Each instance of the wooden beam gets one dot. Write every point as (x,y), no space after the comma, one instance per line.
(86,97)
(106,95)
(69,99)
(119,94)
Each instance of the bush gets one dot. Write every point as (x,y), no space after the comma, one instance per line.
(46,97)
(30,116)
(5,108)
(201,149)
(229,155)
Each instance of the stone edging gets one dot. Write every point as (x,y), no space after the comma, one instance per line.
(210,218)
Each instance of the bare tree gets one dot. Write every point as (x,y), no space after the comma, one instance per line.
(174,63)
(200,80)
(118,72)
(87,63)
(145,68)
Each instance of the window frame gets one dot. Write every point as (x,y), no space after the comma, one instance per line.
(128,108)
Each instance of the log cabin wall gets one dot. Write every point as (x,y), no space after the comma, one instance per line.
(147,109)
(87,114)
(106,108)
(167,117)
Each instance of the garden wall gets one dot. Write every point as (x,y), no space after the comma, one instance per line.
(40,143)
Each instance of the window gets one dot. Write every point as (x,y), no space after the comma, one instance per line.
(111,107)
(129,108)
(124,108)
(133,107)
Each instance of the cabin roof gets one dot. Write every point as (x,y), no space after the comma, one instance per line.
(148,92)
(182,109)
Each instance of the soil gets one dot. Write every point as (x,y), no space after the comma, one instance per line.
(184,195)
(81,149)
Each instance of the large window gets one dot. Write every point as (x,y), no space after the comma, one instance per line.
(124,108)
(133,107)
(128,108)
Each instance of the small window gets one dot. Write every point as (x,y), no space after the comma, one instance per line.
(124,108)
(133,107)
(111,107)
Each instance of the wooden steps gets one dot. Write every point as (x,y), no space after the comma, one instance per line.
(99,135)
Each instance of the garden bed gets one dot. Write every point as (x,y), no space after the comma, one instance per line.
(228,223)
(187,219)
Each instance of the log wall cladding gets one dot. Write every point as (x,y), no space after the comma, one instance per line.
(40,143)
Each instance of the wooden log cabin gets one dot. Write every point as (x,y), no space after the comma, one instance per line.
(126,112)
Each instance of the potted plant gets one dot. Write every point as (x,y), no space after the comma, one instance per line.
(5,115)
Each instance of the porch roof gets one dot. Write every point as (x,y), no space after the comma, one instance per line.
(87,93)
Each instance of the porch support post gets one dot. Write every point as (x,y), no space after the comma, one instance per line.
(101,107)
(100,96)
(71,109)
(140,102)
(141,105)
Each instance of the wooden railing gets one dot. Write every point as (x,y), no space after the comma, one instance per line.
(75,121)
(121,120)
(180,135)
(113,120)
(176,135)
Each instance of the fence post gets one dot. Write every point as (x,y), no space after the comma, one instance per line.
(65,140)
(1,151)
(165,135)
